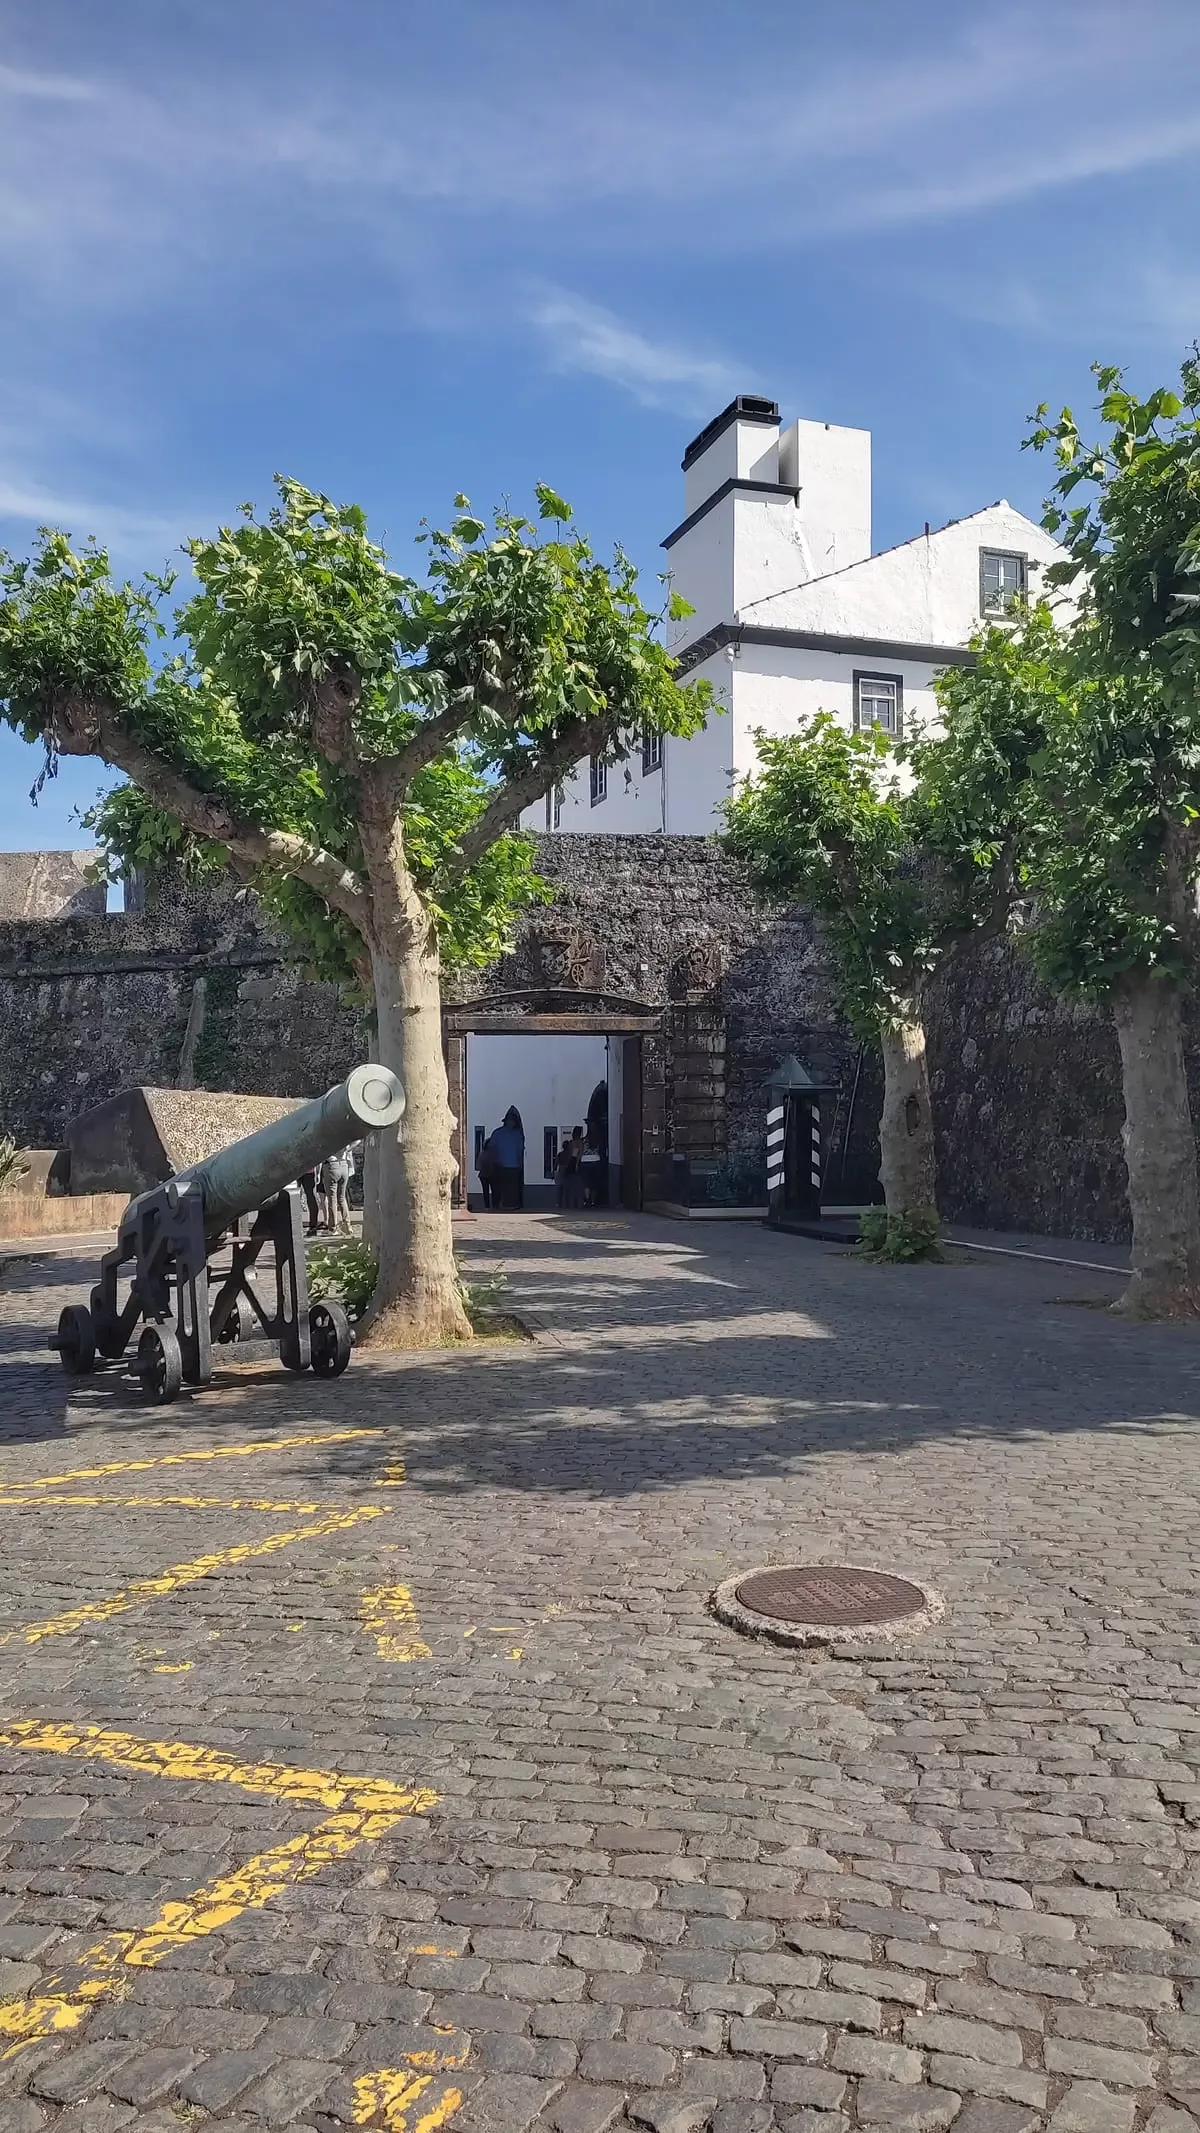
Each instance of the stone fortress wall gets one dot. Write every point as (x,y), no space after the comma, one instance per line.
(187,988)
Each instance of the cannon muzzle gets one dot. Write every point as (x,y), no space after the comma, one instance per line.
(245,1176)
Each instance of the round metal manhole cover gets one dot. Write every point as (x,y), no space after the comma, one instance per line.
(825,1603)
(823,1595)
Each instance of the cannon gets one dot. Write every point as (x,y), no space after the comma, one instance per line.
(243,1198)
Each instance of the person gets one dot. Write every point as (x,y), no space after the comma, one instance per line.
(589,1170)
(508,1144)
(335,1182)
(488,1167)
(307,1181)
(566,1172)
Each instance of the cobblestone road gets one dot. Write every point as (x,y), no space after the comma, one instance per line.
(367,1753)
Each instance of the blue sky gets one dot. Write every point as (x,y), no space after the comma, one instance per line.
(398,251)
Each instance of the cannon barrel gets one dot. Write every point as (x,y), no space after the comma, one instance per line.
(243,1177)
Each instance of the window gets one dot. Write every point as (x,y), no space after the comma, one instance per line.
(480,1136)
(599,780)
(879,701)
(549,1150)
(652,751)
(1002,579)
(554,807)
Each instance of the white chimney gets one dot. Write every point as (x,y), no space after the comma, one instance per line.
(739,444)
(831,469)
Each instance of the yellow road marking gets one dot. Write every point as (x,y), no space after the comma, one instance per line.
(394,1475)
(363,1809)
(391,1617)
(388,2093)
(155,1503)
(220,1451)
(179,1574)
(184,1668)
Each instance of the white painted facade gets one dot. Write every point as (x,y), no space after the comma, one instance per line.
(793,612)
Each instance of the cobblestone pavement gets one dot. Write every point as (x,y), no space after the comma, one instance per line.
(402,1778)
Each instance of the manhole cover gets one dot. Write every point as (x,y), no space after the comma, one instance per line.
(823,1595)
(825,1603)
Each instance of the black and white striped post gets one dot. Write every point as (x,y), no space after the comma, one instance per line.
(795,1149)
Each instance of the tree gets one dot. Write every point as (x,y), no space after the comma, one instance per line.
(1116,856)
(902,873)
(358,746)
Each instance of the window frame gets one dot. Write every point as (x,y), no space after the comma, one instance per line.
(1007,555)
(862,674)
(597,780)
(652,752)
(549,1152)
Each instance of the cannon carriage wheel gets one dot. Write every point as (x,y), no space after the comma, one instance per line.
(160,1363)
(330,1339)
(76,1340)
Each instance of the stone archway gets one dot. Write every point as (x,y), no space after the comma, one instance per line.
(559,1010)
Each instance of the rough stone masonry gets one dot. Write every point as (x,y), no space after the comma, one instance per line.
(1027,1089)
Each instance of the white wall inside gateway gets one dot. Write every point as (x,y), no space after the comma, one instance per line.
(549,1079)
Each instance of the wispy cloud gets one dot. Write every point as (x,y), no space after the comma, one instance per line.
(582,336)
(121,529)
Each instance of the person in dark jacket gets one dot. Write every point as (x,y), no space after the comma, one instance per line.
(508,1145)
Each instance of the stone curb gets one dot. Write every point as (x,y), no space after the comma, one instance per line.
(726,1606)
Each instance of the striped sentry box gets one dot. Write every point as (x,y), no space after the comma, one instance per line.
(776,1135)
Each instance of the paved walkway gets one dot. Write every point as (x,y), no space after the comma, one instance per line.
(367,1753)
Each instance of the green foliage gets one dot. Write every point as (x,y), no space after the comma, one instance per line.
(307,666)
(67,630)
(1114,836)
(346,1270)
(1111,850)
(827,822)
(900,1240)
(535,635)
(13,1166)
(1133,543)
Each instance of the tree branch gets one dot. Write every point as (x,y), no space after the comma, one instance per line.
(84,725)
(425,745)
(578,739)
(335,699)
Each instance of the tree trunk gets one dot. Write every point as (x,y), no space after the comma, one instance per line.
(906,1167)
(418,1302)
(1160,1152)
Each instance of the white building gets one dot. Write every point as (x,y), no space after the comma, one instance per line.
(794,614)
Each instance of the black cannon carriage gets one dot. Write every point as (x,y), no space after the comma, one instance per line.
(240,1201)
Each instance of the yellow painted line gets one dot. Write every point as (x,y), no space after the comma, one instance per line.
(187,1764)
(388,2094)
(389,1614)
(220,1451)
(168,1581)
(155,1503)
(364,1809)
(394,1475)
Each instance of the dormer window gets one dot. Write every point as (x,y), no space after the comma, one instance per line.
(1003,579)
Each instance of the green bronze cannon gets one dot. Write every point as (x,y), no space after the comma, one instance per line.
(243,1199)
